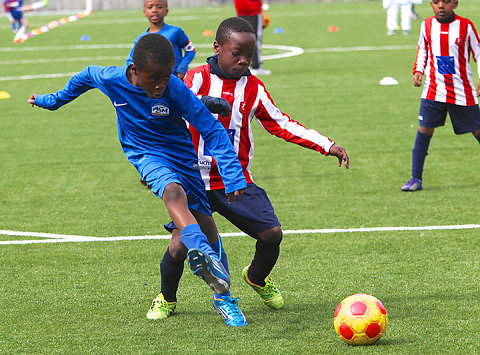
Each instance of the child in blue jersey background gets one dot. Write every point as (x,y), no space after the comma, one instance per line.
(155,11)
(15,10)
(152,106)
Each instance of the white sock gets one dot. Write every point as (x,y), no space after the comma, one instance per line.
(20,33)
(38,5)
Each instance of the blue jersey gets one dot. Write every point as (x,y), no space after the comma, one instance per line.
(179,41)
(155,129)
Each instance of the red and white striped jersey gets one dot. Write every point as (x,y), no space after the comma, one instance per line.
(248,98)
(443,55)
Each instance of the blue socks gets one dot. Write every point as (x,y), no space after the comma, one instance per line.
(420,151)
(218,248)
(193,238)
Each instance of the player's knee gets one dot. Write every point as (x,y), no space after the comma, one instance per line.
(173,193)
(272,235)
(176,248)
(178,251)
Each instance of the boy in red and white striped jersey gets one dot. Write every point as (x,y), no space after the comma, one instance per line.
(444,48)
(226,86)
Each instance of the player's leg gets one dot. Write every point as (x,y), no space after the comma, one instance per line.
(12,21)
(201,257)
(465,119)
(254,215)
(171,270)
(223,303)
(432,114)
(254,22)
(392,18)
(173,187)
(406,18)
(35,6)
(476,134)
(22,29)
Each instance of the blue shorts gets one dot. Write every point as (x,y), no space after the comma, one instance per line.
(17,14)
(465,119)
(158,174)
(252,214)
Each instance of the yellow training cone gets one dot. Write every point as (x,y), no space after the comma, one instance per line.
(4,95)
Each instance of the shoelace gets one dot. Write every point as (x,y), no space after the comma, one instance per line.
(233,309)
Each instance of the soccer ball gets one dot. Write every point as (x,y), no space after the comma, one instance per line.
(360,319)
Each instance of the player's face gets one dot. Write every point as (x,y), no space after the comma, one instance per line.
(155,10)
(235,55)
(443,9)
(153,79)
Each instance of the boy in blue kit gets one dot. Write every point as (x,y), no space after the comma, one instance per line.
(15,10)
(155,11)
(152,106)
(444,47)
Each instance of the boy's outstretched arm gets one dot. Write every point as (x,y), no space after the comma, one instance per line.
(341,154)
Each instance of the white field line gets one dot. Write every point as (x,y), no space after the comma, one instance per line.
(63,238)
(288,51)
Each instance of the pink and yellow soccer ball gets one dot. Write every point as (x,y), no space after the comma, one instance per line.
(360,319)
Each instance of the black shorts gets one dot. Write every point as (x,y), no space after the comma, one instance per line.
(252,214)
(465,119)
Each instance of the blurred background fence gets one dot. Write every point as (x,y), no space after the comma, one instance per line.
(60,5)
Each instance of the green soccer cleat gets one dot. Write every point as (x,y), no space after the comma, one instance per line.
(160,308)
(270,294)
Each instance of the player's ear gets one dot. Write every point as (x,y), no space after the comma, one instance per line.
(216,47)
(134,69)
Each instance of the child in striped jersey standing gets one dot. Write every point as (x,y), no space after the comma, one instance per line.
(446,41)
(229,90)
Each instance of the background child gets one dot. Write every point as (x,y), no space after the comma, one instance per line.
(392,7)
(251,10)
(155,11)
(15,11)
(152,106)
(226,86)
(444,47)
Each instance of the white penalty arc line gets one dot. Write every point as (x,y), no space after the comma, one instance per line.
(64,238)
(289,51)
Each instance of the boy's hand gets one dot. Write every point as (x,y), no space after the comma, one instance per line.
(417,78)
(180,75)
(31,100)
(478,88)
(341,154)
(234,196)
(217,105)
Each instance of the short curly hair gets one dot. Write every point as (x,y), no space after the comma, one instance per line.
(153,48)
(232,25)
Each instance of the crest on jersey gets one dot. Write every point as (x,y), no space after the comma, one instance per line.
(160,110)
(446,64)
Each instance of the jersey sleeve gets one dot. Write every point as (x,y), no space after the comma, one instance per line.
(188,49)
(89,78)
(422,54)
(474,42)
(215,137)
(282,126)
